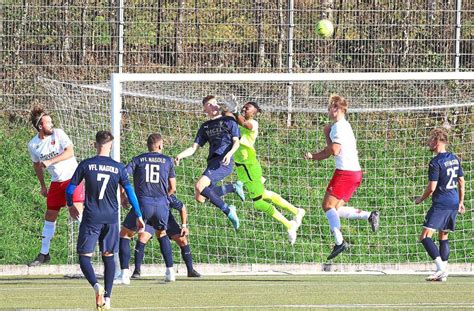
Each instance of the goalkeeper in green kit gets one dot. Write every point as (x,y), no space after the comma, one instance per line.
(249,172)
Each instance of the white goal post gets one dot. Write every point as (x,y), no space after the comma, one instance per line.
(391,114)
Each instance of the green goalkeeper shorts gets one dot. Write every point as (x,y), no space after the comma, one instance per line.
(251,176)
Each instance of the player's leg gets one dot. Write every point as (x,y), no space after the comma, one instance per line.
(444,250)
(160,223)
(86,243)
(165,248)
(143,239)
(433,252)
(237,187)
(330,205)
(108,245)
(174,232)
(127,231)
(351,182)
(214,173)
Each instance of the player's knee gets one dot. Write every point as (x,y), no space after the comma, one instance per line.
(107,254)
(126,233)
(160,233)
(180,240)
(144,237)
(51,215)
(263,206)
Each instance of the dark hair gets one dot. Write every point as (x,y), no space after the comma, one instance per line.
(103,137)
(207,98)
(37,113)
(153,139)
(255,105)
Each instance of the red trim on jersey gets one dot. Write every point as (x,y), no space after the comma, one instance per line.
(57,195)
(343,184)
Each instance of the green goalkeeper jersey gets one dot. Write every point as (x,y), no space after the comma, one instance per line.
(246,153)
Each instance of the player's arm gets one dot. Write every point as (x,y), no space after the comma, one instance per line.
(38,167)
(330,150)
(171,186)
(67,154)
(132,198)
(243,122)
(430,188)
(235,146)
(461,191)
(75,180)
(186,153)
(184,221)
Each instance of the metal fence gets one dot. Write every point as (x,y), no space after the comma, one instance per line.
(88,40)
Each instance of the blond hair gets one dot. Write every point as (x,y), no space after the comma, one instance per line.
(339,102)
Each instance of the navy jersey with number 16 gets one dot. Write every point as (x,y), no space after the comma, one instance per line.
(445,168)
(151,173)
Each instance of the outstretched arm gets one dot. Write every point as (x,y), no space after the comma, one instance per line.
(186,153)
(329,150)
(430,188)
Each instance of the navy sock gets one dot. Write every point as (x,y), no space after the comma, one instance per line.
(444,249)
(109,273)
(187,257)
(224,189)
(165,247)
(139,254)
(215,199)
(430,247)
(124,253)
(87,269)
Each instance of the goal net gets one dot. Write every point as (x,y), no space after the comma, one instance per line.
(391,115)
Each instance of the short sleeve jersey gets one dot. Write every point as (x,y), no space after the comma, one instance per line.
(52,146)
(246,154)
(341,133)
(219,133)
(151,172)
(445,168)
(102,177)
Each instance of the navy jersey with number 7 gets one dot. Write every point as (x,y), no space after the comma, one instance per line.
(445,168)
(102,177)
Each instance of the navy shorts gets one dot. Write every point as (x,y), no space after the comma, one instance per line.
(173,227)
(440,219)
(216,171)
(130,222)
(175,202)
(106,234)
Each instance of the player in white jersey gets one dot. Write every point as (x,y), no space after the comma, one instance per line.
(341,143)
(52,149)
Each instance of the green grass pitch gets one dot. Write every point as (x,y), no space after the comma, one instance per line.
(261,292)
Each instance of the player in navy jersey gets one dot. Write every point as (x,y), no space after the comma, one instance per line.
(102,177)
(446,185)
(222,133)
(154,179)
(174,231)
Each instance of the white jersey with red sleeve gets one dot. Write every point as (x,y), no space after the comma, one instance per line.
(348,158)
(52,146)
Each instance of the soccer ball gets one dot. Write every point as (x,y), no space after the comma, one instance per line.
(324,28)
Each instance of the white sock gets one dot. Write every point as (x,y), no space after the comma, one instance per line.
(335,225)
(439,264)
(445,265)
(125,273)
(351,213)
(169,271)
(48,232)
